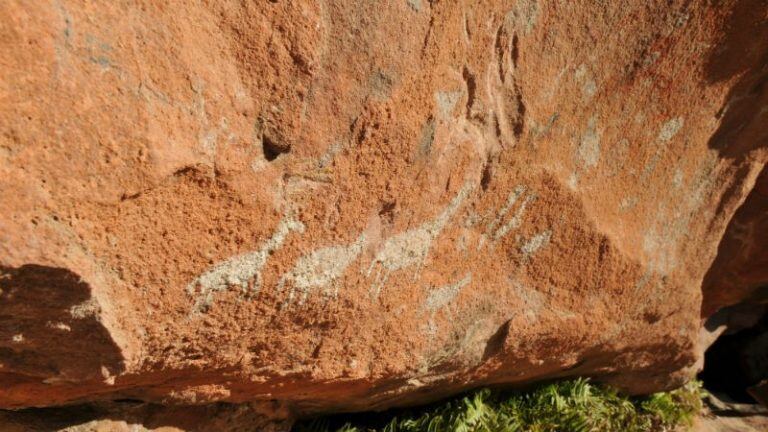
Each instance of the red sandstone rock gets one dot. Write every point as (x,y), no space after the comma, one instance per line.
(355,205)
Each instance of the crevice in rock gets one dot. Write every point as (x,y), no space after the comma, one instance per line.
(469,80)
(487,176)
(272,149)
(499,46)
(737,361)
(515,50)
(518,122)
(428,35)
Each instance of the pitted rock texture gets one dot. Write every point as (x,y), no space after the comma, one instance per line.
(346,205)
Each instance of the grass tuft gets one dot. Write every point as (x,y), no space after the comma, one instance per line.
(566,406)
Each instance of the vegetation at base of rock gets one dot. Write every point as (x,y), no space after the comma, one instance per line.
(566,406)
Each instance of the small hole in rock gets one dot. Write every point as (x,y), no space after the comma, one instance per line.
(387,211)
(271,149)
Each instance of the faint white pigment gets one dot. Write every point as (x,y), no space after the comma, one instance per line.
(532,300)
(589,147)
(240,270)
(319,270)
(516,219)
(661,239)
(670,129)
(535,243)
(415,5)
(573,181)
(446,101)
(410,248)
(58,326)
(524,15)
(440,297)
(493,230)
(627,203)
(511,200)
(677,179)
(588,87)
(85,309)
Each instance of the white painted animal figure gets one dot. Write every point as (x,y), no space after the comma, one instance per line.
(410,248)
(319,270)
(241,270)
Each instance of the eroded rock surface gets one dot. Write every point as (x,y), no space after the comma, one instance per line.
(354,205)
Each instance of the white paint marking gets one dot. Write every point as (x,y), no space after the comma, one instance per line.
(446,101)
(670,129)
(319,270)
(516,219)
(240,270)
(589,147)
(677,178)
(59,326)
(415,5)
(524,15)
(440,297)
(535,243)
(511,200)
(588,85)
(493,230)
(410,248)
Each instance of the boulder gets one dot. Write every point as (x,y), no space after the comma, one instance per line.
(341,206)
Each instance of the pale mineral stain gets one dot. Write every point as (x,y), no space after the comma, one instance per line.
(662,239)
(532,300)
(415,5)
(446,101)
(588,153)
(410,248)
(85,309)
(241,270)
(58,326)
(427,138)
(670,129)
(258,164)
(328,157)
(573,181)
(677,178)
(627,203)
(588,85)
(659,243)
(442,296)
(319,270)
(524,15)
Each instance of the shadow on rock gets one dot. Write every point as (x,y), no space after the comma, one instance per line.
(50,330)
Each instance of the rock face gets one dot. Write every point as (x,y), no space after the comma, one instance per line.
(333,205)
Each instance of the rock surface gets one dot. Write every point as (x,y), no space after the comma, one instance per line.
(335,205)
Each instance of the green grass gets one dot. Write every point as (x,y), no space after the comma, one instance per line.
(567,406)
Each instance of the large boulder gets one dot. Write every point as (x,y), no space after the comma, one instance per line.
(337,205)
